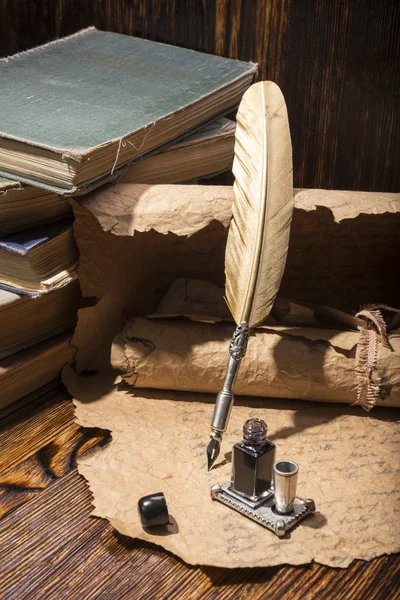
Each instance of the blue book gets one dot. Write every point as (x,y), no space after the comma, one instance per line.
(40,260)
(78,109)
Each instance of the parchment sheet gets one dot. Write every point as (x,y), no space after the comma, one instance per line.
(347,205)
(145,245)
(348,464)
(126,208)
(204,301)
(343,251)
(282,362)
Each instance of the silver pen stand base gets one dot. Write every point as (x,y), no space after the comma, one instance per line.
(263,513)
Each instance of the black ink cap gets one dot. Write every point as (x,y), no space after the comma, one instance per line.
(153,510)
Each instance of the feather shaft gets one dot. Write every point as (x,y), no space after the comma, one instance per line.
(263,204)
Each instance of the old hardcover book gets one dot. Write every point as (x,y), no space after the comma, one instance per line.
(23,206)
(26,371)
(77,109)
(39,260)
(203,153)
(25,321)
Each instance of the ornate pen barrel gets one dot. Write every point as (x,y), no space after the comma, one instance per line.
(285,484)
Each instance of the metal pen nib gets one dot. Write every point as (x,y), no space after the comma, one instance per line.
(224,402)
(213,449)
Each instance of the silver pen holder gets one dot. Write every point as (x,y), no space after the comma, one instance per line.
(261,489)
(285,485)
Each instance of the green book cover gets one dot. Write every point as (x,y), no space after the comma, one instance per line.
(80,94)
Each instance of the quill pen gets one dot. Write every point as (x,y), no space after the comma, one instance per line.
(258,235)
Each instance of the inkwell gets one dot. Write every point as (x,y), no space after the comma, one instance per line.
(252,462)
(260,488)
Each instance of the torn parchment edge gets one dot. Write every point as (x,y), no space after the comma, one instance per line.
(342,204)
(115,208)
(86,469)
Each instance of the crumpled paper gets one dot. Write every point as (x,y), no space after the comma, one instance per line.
(281,362)
(343,251)
(348,205)
(204,301)
(301,351)
(125,209)
(348,463)
(130,243)
(348,460)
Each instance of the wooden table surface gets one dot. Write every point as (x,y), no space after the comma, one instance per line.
(52,548)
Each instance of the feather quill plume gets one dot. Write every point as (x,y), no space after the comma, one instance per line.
(263,204)
(258,235)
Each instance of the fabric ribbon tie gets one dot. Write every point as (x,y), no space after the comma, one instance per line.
(372,334)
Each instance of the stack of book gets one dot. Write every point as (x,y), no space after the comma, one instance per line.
(78,113)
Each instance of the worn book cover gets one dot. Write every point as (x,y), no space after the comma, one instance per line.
(24,206)
(203,153)
(77,109)
(25,321)
(38,260)
(29,369)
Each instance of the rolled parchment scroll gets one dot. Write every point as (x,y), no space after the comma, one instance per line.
(283,362)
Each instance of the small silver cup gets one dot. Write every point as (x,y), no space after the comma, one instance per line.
(285,484)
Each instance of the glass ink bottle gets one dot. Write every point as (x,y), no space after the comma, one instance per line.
(252,462)
(251,491)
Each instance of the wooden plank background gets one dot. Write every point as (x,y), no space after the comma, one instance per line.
(335,60)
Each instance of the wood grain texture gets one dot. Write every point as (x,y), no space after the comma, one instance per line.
(336,63)
(51,548)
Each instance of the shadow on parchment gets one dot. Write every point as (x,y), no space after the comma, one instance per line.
(306,414)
